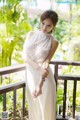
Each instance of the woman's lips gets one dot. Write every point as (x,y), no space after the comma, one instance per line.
(44,30)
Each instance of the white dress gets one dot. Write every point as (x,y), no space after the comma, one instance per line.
(44,106)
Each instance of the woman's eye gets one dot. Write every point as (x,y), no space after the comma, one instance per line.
(42,23)
(48,25)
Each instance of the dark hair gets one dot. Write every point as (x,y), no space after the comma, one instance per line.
(50,14)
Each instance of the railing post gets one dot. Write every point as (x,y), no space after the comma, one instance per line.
(56,74)
(23,107)
(4,102)
(64,98)
(14,102)
(1,79)
(74,97)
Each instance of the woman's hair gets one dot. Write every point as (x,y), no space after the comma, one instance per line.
(51,15)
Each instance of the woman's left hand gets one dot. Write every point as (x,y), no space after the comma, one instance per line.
(37,92)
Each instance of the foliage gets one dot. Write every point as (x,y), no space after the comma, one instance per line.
(35,22)
(75,49)
(61,30)
(14,26)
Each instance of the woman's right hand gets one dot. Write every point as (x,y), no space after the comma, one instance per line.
(44,72)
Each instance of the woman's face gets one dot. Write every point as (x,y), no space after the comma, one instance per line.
(47,25)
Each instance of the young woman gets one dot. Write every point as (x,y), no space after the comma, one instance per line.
(38,50)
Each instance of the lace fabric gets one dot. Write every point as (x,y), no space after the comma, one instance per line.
(38,46)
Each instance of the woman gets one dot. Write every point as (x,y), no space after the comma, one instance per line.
(38,50)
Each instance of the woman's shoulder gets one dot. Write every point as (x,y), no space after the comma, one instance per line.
(54,40)
(30,33)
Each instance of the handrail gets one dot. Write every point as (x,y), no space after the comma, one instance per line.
(12,86)
(12,69)
(75,63)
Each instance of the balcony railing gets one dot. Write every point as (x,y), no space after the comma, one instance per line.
(15,86)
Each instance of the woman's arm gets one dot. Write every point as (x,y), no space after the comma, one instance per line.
(53,49)
(54,46)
